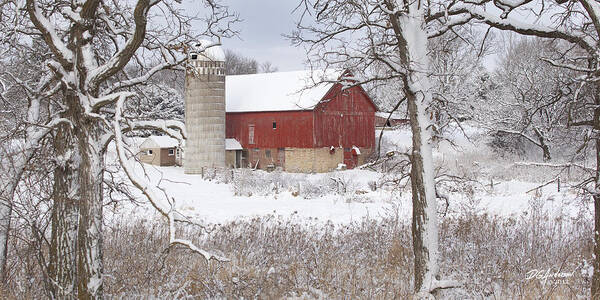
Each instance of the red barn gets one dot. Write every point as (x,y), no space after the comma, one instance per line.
(281,123)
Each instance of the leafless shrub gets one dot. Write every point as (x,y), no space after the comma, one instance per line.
(309,186)
(276,257)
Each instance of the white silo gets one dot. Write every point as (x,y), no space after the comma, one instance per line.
(205,108)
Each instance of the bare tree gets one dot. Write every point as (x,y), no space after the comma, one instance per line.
(575,22)
(530,97)
(394,34)
(236,64)
(578,23)
(267,67)
(459,78)
(98,51)
(26,97)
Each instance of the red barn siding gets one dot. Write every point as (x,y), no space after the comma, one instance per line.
(347,119)
(294,129)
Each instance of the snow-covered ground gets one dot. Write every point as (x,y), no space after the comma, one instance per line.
(212,202)
(208,201)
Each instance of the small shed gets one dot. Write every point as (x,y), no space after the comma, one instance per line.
(233,153)
(396,119)
(160,151)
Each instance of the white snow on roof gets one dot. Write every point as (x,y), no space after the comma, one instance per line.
(280,91)
(395,115)
(208,50)
(232,144)
(163,141)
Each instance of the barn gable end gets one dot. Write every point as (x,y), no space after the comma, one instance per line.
(346,119)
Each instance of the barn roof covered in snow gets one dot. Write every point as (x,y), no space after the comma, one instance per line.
(280,91)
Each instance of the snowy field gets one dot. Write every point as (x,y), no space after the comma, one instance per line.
(210,202)
(214,202)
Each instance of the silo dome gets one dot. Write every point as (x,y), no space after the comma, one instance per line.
(206,50)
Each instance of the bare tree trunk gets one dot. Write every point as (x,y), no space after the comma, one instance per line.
(89,241)
(596,196)
(424,222)
(63,243)
(6,196)
(12,167)
(543,145)
(596,275)
(412,45)
(76,264)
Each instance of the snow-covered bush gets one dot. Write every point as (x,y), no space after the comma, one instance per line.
(249,182)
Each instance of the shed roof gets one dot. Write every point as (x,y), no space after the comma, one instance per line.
(280,91)
(160,141)
(395,115)
(232,144)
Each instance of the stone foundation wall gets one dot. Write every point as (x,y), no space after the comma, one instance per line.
(274,158)
(305,160)
(365,153)
(297,160)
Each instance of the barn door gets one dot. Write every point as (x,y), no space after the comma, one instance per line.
(238,158)
(350,159)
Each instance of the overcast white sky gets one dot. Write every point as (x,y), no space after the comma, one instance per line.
(261,32)
(264,23)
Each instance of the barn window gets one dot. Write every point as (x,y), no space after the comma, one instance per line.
(171,152)
(274,125)
(194,56)
(250,134)
(268,153)
(149,152)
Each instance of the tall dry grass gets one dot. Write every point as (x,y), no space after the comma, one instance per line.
(274,257)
